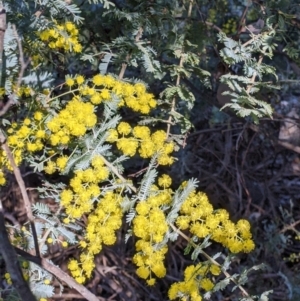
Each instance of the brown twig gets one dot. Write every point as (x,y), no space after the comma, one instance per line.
(290,227)
(138,173)
(213,26)
(181,61)
(11,262)
(242,19)
(116,172)
(18,176)
(290,146)
(23,64)
(57,272)
(72,296)
(124,65)
(2,30)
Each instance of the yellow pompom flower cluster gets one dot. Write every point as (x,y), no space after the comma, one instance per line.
(25,272)
(74,120)
(134,96)
(2,178)
(75,268)
(102,87)
(21,91)
(198,215)
(101,227)
(32,136)
(140,101)
(24,91)
(129,140)
(29,136)
(195,280)
(8,278)
(62,37)
(293,257)
(84,188)
(164,181)
(150,226)
(58,165)
(103,222)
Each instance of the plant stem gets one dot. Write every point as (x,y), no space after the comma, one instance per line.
(211,260)
(181,61)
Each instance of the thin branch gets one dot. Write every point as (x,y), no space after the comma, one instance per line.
(290,146)
(211,260)
(170,119)
(290,227)
(206,22)
(11,262)
(23,64)
(43,240)
(116,172)
(18,176)
(28,256)
(2,30)
(243,18)
(70,296)
(21,184)
(249,87)
(6,107)
(57,272)
(8,104)
(213,26)
(124,65)
(138,173)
